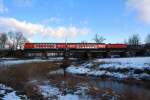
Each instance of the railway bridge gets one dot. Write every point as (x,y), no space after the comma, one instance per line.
(81,50)
(77,50)
(77,53)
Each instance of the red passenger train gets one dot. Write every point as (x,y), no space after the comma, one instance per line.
(73,46)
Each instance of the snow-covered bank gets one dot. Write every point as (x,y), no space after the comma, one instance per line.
(7,93)
(50,92)
(136,63)
(4,58)
(121,68)
(14,62)
(81,91)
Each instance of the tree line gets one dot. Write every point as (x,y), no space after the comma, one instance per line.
(12,39)
(132,40)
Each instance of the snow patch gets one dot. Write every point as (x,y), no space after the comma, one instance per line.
(110,67)
(136,63)
(8,93)
(69,97)
(48,90)
(11,96)
(78,70)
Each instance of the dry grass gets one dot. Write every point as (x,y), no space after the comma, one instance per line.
(18,76)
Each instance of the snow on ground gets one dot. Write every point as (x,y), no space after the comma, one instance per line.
(14,62)
(87,71)
(51,92)
(48,90)
(101,67)
(11,96)
(4,58)
(81,70)
(69,97)
(7,93)
(137,62)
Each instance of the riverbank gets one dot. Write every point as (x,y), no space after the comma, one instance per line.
(46,80)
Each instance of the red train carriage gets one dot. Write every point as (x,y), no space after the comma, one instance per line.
(61,45)
(39,45)
(81,45)
(73,46)
(90,46)
(86,46)
(100,46)
(116,46)
(28,46)
(44,45)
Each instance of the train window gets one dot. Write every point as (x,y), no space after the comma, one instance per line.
(44,46)
(38,46)
(47,45)
(35,45)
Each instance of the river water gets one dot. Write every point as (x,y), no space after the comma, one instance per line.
(112,89)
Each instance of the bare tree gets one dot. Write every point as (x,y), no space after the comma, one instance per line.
(99,39)
(147,40)
(84,41)
(3,39)
(17,39)
(125,41)
(21,41)
(11,36)
(134,40)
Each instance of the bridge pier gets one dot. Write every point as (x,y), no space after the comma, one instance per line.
(66,61)
(87,55)
(108,54)
(44,55)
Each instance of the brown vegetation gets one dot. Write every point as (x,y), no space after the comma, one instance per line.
(18,76)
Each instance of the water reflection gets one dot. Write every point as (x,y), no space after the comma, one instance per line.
(122,88)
